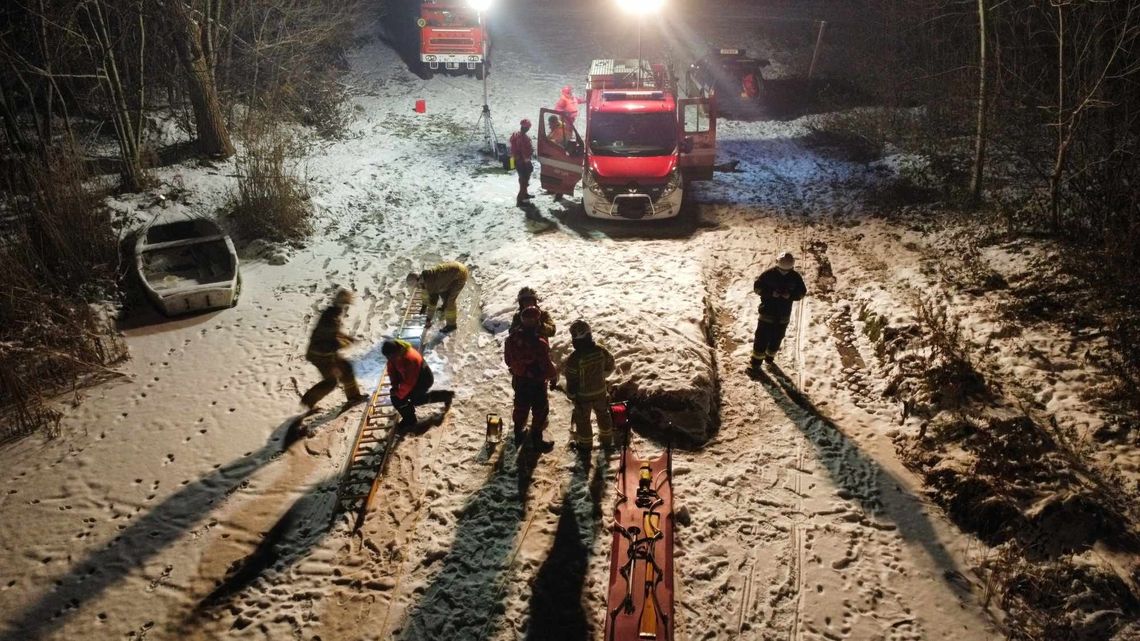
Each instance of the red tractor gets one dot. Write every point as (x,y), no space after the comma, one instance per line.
(453,38)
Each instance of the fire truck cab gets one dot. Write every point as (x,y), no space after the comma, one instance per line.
(453,39)
(643,143)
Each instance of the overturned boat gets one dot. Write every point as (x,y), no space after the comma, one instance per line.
(187,266)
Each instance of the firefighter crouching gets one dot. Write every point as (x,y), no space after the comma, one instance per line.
(586,370)
(527,354)
(410,378)
(441,283)
(324,352)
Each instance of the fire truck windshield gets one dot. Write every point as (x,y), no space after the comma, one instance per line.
(632,134)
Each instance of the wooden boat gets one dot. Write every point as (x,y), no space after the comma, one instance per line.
(187,266)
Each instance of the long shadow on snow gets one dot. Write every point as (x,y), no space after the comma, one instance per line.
(301,528)
(143,540)
(853,470)
(461,602)
(556,609)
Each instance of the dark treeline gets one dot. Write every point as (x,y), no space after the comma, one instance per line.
(1037,102)
(81,78)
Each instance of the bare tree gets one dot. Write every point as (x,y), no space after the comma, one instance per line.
(982,108)
(213,135)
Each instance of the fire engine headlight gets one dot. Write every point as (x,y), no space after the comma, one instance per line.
(430,58)
(673,185)
(591,183)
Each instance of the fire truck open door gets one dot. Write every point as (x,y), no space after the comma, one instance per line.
(560,155)
(698,148)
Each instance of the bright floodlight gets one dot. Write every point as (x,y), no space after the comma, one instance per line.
(641,7)
(479,5)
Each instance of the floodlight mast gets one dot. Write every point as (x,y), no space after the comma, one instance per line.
(480,7)
(640,8)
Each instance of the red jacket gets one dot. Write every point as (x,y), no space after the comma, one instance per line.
(528,356)
(568,105)
(522,149)
(404,370)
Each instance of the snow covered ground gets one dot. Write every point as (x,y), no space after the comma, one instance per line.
(171,509)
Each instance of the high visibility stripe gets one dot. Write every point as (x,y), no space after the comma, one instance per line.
(560,164)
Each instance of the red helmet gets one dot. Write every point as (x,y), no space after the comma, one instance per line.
(524,123)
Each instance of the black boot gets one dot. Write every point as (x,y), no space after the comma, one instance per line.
(536,439)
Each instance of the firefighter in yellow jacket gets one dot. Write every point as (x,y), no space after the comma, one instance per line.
(441,283)
(586,371)
(324,353)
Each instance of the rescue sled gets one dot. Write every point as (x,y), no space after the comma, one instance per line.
(187,266)
(640,602)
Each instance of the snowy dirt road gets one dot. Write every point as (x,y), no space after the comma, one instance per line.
(173,509)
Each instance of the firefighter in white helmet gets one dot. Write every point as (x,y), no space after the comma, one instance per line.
(778,286)
(586,370)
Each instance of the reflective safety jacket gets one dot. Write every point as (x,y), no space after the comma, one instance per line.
(586,370)
(777,290)
(404,370)
(568,105)
(447,276)
(528,356)
(327,337)
(522,149)
(545,323)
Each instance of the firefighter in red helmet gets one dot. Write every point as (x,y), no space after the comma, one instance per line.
(522,152)
(568,105)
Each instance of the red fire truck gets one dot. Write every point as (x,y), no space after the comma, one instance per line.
(453,38)
(643,143)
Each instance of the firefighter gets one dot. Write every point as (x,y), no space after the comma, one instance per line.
(568,105)
(522,151)
(527,354)
(586,371)
(529,298)
(778,287)
(411,380)
(556,131)
(441,283)
(324,352)
(750,86)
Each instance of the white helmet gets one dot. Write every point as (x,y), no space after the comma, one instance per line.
(413,279)
(785,260)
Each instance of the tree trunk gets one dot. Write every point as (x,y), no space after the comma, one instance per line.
(983,103)
(11,123)
(1059,158)
(134,178)
(213,136)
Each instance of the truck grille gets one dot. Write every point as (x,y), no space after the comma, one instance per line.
(453,44)
(653,191)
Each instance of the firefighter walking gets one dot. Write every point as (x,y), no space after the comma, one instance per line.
(778,287)
(522,151)
(324,353)
(527,354)
(586,370)
(441,283)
